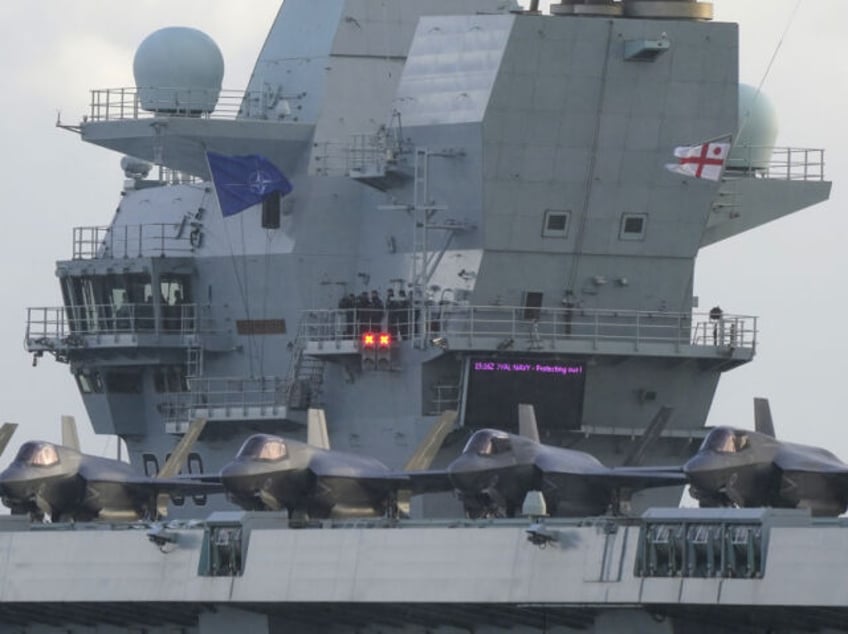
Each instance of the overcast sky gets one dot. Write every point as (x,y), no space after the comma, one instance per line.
(789,273)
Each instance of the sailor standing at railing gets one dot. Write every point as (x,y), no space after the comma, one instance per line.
(363,312)
(716,316)
(376,311)
(346,306)
(403,312)
(392,314)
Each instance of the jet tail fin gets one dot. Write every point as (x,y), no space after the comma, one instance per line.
(316,428)
(649,437)
(424,455)
(527,426)
(763,422)
(180,453)
(70,437)
(6,432)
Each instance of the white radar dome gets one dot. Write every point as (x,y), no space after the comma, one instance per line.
(135,167)
(178,69)
(753,146)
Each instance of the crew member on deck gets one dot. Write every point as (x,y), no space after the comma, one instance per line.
(392,314)
(716,315)
(376,311)
(363,312)
(346,304)
(403,314)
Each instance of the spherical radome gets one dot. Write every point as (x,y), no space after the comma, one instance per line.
(757,132)
(178,69)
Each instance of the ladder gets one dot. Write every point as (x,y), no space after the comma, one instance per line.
(305,379)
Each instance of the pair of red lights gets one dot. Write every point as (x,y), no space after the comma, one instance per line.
(382,339)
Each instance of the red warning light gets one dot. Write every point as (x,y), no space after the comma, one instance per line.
(385,339)
(369,339)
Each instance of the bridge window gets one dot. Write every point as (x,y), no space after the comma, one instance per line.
(89,382)
(123,382)
(170,378)
(174,293)
(109,303)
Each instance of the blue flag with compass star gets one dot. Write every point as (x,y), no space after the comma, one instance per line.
(243,181)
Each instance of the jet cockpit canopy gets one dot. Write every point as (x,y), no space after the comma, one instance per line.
(725,440)
(263,447)
(38,454)
(488,442)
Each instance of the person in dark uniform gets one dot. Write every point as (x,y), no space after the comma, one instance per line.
(392,315)
(363,312)
(376,309)
(403,314)
(346,304)
(715,316)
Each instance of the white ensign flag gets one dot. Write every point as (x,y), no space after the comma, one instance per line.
(701,161)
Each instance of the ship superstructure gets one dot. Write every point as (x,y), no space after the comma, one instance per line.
(502,170)
(500,174)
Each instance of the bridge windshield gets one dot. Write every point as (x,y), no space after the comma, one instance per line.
(725,440)
(37,454)
(265,448)
(488,443)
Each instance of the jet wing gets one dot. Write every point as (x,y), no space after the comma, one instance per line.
(814,460)
(644,477)
(214,478)
(420,482)
(177,485)
(557,465)
(365,471)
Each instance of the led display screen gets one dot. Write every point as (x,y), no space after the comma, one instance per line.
(496,387)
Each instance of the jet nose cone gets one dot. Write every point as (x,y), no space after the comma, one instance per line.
(234,472)
(460,466)
(14,482)
(12,474)
(700,468)
(696,463)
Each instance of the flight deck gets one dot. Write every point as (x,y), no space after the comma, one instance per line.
(738,569)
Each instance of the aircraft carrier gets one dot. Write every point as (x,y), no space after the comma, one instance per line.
(506,172)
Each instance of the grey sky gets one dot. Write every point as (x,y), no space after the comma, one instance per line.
(789,273)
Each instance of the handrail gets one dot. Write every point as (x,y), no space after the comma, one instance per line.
(236,391)
(122,104)
(156,239)
(519,327)
(783,163)
(49,326)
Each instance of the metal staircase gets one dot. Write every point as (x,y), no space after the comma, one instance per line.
(305,378)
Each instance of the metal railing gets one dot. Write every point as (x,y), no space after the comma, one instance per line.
(135,241)
(119,104)
(237,393)
(521,328)
(67,326)
(783,163)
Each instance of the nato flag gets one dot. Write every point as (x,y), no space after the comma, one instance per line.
(243,181)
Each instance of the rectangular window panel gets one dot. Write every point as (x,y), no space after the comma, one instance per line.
(556,223)
(633,226)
